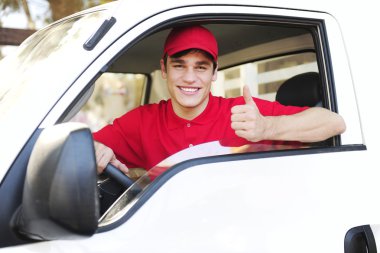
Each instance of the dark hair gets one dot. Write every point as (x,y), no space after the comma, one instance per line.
(192,50)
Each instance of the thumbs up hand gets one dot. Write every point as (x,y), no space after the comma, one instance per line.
(247,120)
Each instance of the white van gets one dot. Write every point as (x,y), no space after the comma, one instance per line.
(74,76)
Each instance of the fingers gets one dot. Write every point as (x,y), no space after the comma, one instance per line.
(121,166)
(243,116)
(105,155)
(242,125)
(244,134)
(247,120)
(245,123)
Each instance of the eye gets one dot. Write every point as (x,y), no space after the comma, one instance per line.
(201,68)
(178,66)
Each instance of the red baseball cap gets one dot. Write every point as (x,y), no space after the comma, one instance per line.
(183,38)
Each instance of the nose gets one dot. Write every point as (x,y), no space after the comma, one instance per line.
(189,76)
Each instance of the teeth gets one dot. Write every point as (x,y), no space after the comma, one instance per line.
(189,89)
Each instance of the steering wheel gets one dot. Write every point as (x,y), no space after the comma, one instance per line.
(111,190)
(118,176)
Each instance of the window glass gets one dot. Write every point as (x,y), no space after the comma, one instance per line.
(114,94)
(263,77)
(34,64)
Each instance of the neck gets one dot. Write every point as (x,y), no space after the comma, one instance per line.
(189,113)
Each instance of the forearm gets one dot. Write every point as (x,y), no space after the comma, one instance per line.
(312,125)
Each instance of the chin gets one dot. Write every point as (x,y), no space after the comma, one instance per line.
(190,105)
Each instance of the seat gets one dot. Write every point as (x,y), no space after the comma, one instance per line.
(301,90)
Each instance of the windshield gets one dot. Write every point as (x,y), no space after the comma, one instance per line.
(48,59)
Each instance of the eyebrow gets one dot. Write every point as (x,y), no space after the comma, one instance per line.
(203,63)
(178,60)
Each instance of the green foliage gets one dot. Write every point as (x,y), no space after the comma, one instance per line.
(12,5)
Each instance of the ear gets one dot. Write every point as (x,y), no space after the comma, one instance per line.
(215,74)
(163,69)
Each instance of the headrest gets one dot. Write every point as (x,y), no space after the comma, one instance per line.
(301,90)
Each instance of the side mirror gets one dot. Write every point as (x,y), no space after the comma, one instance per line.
(362,239)
(60,198)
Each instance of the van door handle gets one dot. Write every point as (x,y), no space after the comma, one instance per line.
(360,240)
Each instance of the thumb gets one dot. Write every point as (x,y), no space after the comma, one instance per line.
(247,96)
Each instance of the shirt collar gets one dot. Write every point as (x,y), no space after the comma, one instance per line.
(209,114)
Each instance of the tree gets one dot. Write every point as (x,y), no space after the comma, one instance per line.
(61,8)
(25,6)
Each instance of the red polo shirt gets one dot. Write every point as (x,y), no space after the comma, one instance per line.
(148,134)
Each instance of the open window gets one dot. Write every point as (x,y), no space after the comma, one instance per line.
(262,55)
(277,58)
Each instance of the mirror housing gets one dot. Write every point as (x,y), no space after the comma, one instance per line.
(60,198)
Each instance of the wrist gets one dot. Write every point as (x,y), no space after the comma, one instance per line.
(270,127)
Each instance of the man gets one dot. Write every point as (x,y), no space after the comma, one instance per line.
(148,134)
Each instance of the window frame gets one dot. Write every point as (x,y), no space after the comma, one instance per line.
(323,56)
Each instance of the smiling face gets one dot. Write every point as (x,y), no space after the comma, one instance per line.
(189,79)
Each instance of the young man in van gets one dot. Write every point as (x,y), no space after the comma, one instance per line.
(148,134)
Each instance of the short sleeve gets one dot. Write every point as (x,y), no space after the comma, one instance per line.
(124,138)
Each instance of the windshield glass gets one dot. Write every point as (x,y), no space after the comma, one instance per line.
(49,58)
